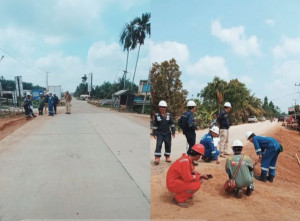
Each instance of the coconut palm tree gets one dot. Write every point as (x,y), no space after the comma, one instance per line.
(142,29)
(128,42)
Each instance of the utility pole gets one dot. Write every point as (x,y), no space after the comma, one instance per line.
(47,80)
(124,77)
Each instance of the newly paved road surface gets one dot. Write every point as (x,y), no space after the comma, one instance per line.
(91,164)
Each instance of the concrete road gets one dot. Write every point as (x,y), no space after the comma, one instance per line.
(179,144)
(91,164)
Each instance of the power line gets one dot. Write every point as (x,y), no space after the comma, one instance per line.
(283,96)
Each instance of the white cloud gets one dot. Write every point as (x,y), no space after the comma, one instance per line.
(209,66)
(270,22)
(290,46)
(167,50)
(236,37)
(54,40)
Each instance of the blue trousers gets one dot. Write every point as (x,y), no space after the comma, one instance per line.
(166,138)
(269,159)
(50,107)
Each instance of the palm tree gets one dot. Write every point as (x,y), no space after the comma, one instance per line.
(128,42)
(142,29)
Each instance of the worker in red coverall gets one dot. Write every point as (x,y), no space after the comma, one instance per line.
(182,178)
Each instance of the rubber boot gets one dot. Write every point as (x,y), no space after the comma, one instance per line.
(270,178)
(157,160)
(261,178)
(249,191)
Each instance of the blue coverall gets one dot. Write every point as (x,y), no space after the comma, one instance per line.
(211,153)
(50,105)
(269,148)
(189,129)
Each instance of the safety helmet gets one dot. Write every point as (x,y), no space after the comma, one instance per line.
(215,129)
(162,104)
(237,143)
(227,104)
(248,134)
(54,93)
(199,148)
(28,94)
(191,104)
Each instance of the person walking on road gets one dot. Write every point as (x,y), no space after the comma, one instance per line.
(161,131)
(244,177)
(41,104)
(68,99)
(183,179)
(188,126)
(211,153)
(50,104)
(224,124)
(55,102)
(267,149)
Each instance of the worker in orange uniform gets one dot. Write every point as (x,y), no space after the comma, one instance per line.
(182,179)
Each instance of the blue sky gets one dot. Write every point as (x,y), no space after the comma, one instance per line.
(68,38)
(257,42)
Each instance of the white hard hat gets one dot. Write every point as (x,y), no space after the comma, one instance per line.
(28,94)
(237,143)
(191,104)
(215,129)
(227,104)
(248,134)
(162,104)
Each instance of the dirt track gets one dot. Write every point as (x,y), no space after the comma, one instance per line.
(277,201)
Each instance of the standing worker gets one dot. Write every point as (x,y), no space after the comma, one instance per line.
(50,105)
(161,131)
(68,99)
(188,126)
(244,176)
(55,102)
(224,124)
(41,104)
(183,179)
(46,99)
(267,149)
(211,153)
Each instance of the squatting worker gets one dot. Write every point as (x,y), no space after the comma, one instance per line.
(211,152)
(68,99)
(189,127)
(244,177)
(182,179)
(161,131)
(224,124)
(267,149)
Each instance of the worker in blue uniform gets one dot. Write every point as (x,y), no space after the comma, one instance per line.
(211,153)
(50,104)
(268,149)
(161,131)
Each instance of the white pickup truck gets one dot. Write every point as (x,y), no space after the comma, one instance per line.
(252,119)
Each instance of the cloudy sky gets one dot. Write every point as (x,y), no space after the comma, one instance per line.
(68,38)
(256,41)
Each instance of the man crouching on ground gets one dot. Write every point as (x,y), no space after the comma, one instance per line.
(182,179)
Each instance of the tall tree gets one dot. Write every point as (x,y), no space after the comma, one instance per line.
(166,85)
(128,42)
(142,29)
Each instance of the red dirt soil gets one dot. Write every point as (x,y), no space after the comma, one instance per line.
(279,200)
(10,124)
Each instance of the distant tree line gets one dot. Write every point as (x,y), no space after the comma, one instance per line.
(166,85)
(10,85)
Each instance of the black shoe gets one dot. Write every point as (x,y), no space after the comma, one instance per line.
(270,178)
(261,178)
(249,191)
(238,193)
